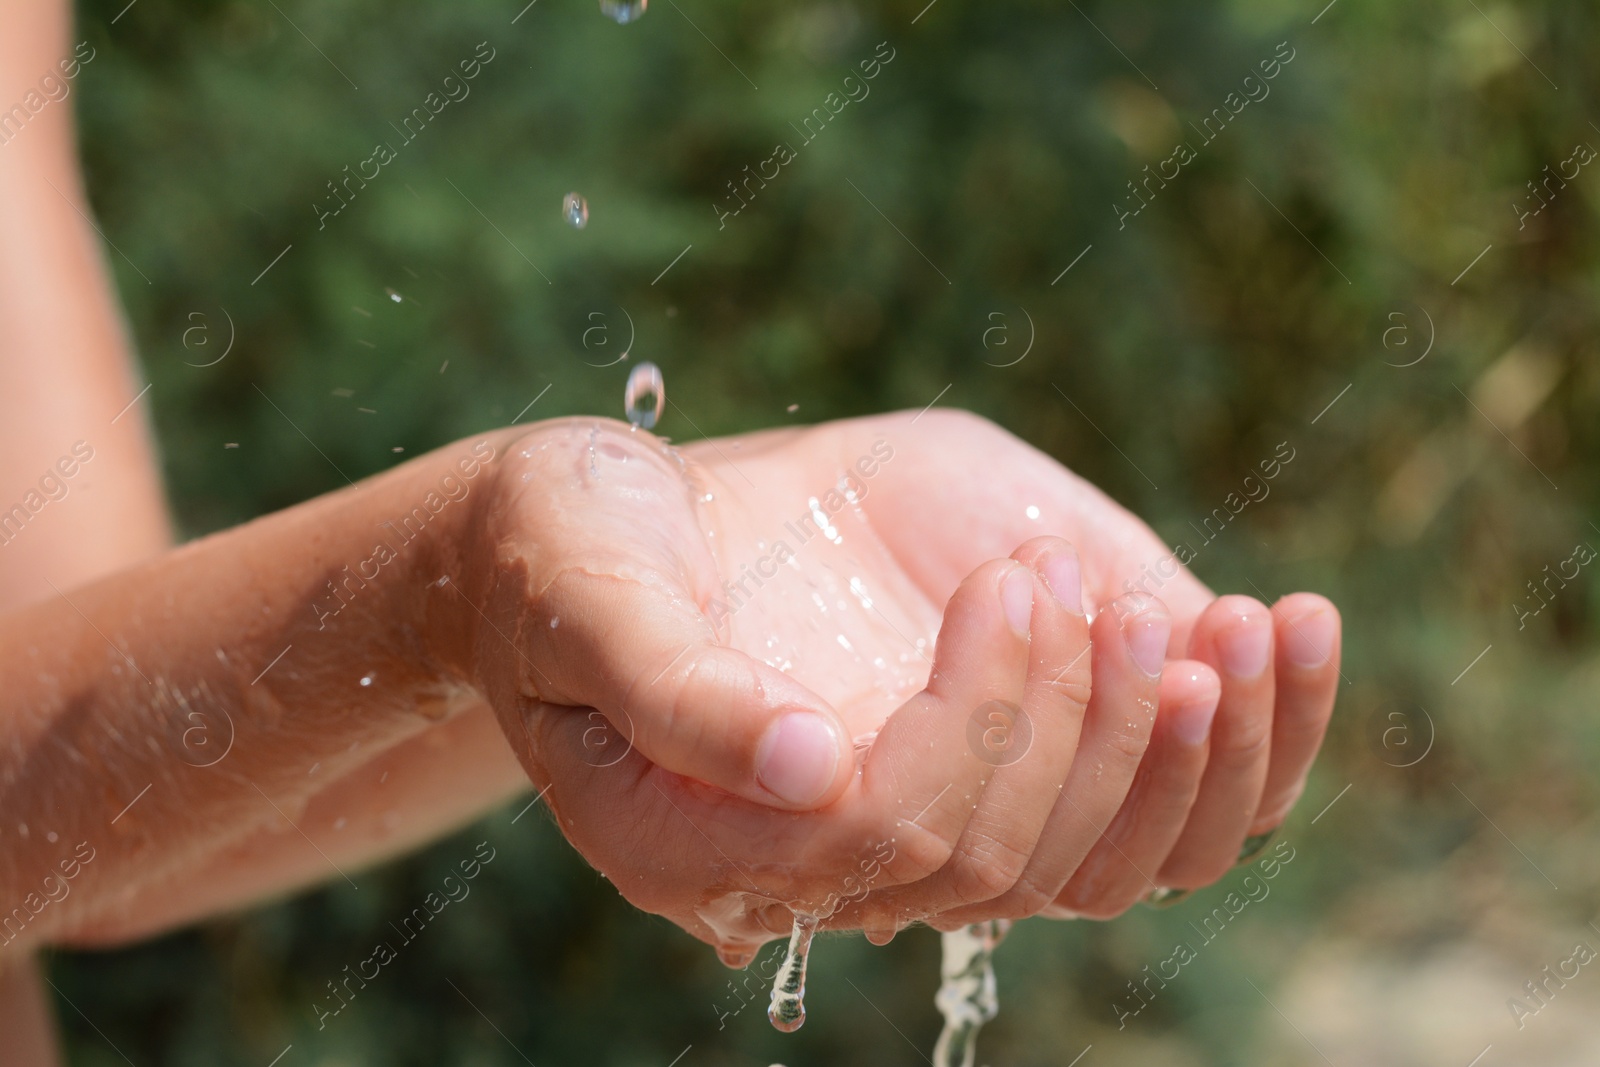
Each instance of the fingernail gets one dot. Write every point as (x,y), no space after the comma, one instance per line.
(1192,723)
(1166,897)
(1254,845)
(1244,646)
(1016,597)
(798,757)
(1309,639)
(1063,575)
(1147,633)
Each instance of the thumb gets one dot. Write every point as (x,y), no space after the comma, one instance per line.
(639,651)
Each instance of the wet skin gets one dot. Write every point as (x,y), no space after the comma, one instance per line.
(891,621)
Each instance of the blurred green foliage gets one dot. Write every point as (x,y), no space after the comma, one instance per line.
(1259,286)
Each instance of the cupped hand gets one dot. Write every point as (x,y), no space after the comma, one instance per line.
(847,669)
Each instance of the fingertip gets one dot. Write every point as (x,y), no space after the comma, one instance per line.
(1309,630)
(979,637)
(1236,633)
(1190,694)
(1146,629)
(1056,562)
(1016,599)
(1189,681)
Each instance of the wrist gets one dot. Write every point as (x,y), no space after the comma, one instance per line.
(449,570)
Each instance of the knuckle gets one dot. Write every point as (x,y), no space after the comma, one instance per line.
(988,869)
(1098,898)
(1244,741)
(1302,733)
(1073,687)
(1026,898)
(676,715)
(1171,788)
(1128,745)
(919,853)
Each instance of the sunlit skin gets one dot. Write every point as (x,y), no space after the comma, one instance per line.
(354,706)
(643,633)
(109,639)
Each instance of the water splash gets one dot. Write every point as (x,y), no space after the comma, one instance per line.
(645,395)
(967,996)
(788,1008)
(575,209)
(623,11)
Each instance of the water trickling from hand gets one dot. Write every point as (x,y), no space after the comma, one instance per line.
(967,996)
(788,1009)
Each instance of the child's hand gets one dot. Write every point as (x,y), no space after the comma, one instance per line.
(737,621)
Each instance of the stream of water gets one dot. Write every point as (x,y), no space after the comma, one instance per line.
(967,998)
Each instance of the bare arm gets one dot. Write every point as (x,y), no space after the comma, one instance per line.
(304,645)
(67,375)
(66,370)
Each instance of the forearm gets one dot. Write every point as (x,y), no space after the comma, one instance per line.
(66,371)
(164,713)
(421,788)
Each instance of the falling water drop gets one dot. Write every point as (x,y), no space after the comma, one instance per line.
(575,209)
(787,1011)
(623,11)
(645,395)
(396,297)
(967,996)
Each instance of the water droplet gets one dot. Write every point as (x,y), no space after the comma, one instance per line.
(645,395)
(52,837)
(1033,511)
(787,1010)
(366,679)
(555,620)
(396,297)
(575,209)
(623,11)
(792,408)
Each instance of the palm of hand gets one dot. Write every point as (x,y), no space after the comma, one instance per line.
(825,556)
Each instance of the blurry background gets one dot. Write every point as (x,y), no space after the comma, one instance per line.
(1308,253)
